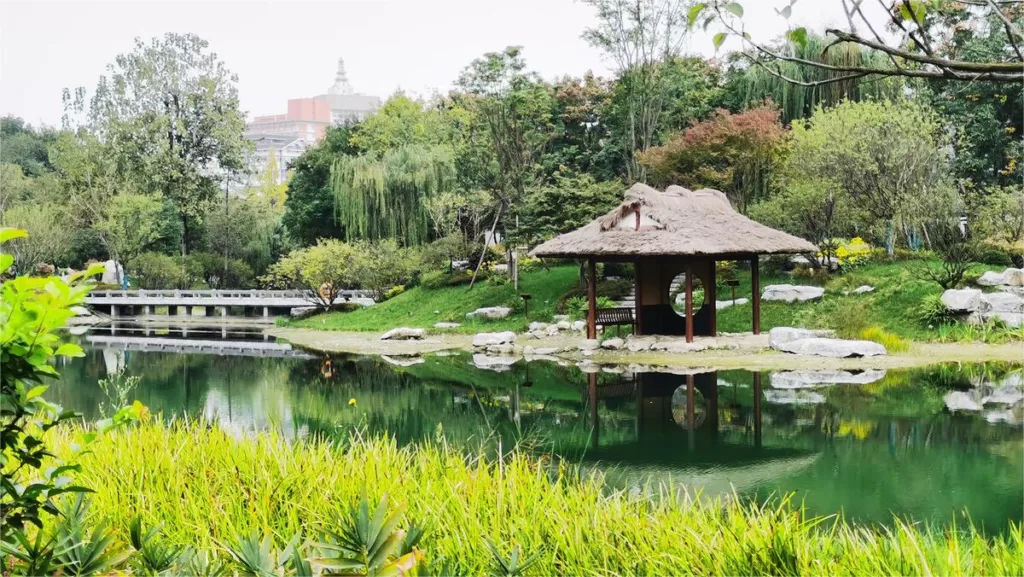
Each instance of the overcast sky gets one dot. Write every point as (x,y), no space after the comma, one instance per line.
(283,50)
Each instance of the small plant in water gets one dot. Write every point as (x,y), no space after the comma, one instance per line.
(118,388)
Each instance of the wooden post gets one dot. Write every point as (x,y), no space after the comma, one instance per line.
(591,299)
(757,409)
(638,291)
(711,298)
(689,303)
(755,297)
(592,393)
(690,412)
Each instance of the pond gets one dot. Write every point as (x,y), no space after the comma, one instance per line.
(869,445)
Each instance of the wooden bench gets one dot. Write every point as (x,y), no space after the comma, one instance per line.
(616,317)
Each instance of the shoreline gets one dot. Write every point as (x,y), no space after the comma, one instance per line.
(747,352)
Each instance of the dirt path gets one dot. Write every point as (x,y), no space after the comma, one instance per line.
(744,351)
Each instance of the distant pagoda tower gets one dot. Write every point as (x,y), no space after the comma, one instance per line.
(341,85)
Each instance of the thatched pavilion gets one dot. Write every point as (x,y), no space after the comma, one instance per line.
(664,234)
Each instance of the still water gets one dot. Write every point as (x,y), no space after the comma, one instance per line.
(870,445)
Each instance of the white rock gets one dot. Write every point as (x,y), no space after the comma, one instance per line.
(563,325)
(488,339)
(447,325)
(1006,416)
(1001,302)
(491,313)
(402,333)
(1005,395)
(613,369)
(537,326)
(541,351)
(551,331)
(837,348)
(1013,277)
(863,289)
(962,301)
(780,335)
(501,268)
(402,361)
(578,325)
(112,273)
(636,344)
(497,364)
(679,346)
(791,293)
(726,304)
(810,379)
(990,278)
(793,397)
(590,345)
(506,349)
(1010,319)
(961,401)
(613,344)
(589,366)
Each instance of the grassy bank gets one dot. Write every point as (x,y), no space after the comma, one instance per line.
(207,488)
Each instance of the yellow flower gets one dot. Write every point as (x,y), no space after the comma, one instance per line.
(352,402)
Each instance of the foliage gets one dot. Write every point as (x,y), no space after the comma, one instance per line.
(247,230)
(369,542)
(577,307)
(384,197)
(1001,216)
(441,253)
(581,114)
(886,157)
(639,37)
(891,342)
(153,270)
(932,312)
(129,224)
(738,154)
(515,500)
(213,271)
(170,115)
(992,332)
(816,210)
(401,122)
(309,207)
(379,266)
(995,257)
(568,203)
(321,270)
(956,252)
(49,236)
(25,146)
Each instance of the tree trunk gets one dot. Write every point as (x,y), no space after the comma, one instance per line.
(483,252)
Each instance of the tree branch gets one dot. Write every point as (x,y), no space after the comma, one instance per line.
(1011,29)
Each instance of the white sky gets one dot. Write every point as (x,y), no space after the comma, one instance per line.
(283,50)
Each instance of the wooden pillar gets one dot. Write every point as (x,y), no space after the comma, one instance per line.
(689,303)
(592,393)
(638,291)
(711,298)
(690,412)
(755,297)
(757,408)
(591,299)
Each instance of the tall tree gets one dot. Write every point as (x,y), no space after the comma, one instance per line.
(639,35)
(169,112)
(916,49)
(25,146)
(309,203)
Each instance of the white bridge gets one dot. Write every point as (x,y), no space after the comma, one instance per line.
(198,346)
(130,302)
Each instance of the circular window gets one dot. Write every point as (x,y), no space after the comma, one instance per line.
(679,407)
(677,293)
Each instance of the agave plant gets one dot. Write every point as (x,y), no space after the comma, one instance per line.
(25,556)
(369,543)
(154,556)
(84,552)
(256,556)
(513,565)
(201,564)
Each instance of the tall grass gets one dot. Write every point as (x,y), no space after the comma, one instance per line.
(207,487)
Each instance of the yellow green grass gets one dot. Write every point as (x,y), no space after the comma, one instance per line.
(207,487)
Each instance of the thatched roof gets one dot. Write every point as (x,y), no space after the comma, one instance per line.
(676,222)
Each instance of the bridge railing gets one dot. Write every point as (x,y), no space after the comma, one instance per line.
(232,294)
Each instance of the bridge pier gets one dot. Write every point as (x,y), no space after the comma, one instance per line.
(224,312)
(114,310)
(188,311)
(148,310)
(266,312)
(172,310)
(210,311)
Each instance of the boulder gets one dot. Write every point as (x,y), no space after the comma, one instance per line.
(402,361)
(551,331)
(962,301)
(863,289)
(578,326)
(1010,319)
(719,305)
(791,293)
(303,312)
(836,348)
(589,366)
(488,339)
(809,379)
(490,313)
(793,397)
(613,344)
(1001,302)
(1004,395)
(779,335)
(563,325)
(679,346)
(506,349)
(961,401)
(541,351)
(362,301)
(447,325)
(990,278)
(112,273)
(1013,277)
(537,326)
(1009,416)
(590,345)
(403,333)
(497,364)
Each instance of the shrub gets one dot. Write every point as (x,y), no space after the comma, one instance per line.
(158,271)
(439,254)
(394,291)
(933,312)
(209,268)
(996,257)
(381,265)
(441,279)
(322,270)
(577,307)
(892,343)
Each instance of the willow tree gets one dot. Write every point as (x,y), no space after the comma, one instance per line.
(815,86)
(385,197)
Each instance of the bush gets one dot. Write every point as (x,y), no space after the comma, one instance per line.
(209,269)
(995,257)
(441,279)
(381,265)
(394,291)
(439,254)
(892,343)
(153,271)
(577,307)
(932,312)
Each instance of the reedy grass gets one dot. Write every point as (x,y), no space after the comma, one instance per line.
(207,487)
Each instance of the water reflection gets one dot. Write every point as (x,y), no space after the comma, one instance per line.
(869,444)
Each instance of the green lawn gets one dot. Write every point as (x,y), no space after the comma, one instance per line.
(422,307)
(892,306)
